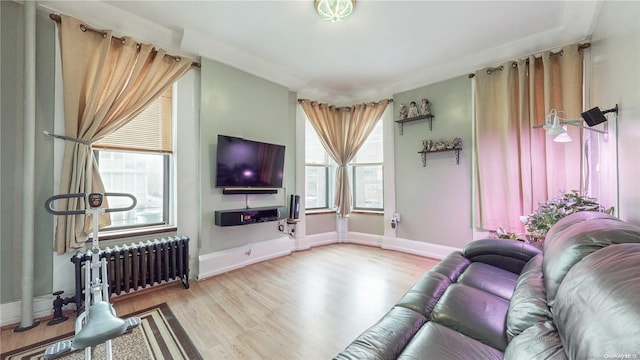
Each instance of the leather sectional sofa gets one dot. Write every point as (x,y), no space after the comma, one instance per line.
(578,298)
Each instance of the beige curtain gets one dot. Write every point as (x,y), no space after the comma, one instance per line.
(107,82)
(518,166)
(342,131)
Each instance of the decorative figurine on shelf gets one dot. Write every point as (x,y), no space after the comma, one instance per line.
(426,145)
(413,110)
(403,111)
(439,145)
(449,145)
(424,107)
(457,143)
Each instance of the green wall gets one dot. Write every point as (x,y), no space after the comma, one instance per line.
(236,103)
(12,128)
(434,201)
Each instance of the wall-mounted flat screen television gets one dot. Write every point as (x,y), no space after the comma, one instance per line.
(242,163)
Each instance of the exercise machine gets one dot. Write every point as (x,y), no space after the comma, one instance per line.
(98,322)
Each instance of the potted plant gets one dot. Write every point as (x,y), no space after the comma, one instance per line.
(538,223)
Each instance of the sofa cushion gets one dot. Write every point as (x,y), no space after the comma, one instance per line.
(528,304)
(387,338)
(489,278)
(597,310)
(424,295)
(579,240)
(540,342)
(434,341)
(474,313)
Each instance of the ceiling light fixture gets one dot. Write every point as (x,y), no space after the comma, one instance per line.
(334,10)
(556,125)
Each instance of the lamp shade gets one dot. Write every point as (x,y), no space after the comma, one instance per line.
(334,10)
(564,137)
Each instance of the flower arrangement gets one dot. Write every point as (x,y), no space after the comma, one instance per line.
(538,223)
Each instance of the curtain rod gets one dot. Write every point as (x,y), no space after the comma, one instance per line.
(301,100)
(57,18)
(499,68)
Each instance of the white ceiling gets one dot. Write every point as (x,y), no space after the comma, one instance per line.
(385,47)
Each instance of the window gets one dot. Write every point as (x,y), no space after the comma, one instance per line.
(367,178)
(136,160)
(144,176)
(317,171)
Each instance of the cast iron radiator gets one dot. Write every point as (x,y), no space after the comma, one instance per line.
(138,265)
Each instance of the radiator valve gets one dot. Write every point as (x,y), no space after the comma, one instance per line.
(58,303)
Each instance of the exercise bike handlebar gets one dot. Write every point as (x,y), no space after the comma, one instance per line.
(49,203)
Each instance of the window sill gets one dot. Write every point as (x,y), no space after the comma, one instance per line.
(131,233)
(368,212)
(319,212)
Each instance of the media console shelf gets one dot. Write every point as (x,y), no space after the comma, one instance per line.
(249,215)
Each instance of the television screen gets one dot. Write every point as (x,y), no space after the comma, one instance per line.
(246,163)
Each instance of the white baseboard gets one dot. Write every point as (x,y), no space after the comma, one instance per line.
(10,313)
(365,239)
(322,239)
(226,260)
(434,251)
(421,248)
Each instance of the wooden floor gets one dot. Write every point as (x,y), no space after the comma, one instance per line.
(308,305)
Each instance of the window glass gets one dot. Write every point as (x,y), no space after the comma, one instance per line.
(140,174)
(367,173)
(316,187)
(317,171)
(368,192)
(314,151)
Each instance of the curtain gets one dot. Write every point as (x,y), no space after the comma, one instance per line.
(107,81)
(517,166)
(342,131)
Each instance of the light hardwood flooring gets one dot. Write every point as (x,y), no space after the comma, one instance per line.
(308,305)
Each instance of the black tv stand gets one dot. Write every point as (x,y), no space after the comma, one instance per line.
(249,215)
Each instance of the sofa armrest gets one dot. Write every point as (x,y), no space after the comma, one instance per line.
(509,255)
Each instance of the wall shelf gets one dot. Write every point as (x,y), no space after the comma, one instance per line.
(401,122)
(424,153)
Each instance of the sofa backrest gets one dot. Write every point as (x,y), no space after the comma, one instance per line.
(528,304)
(597,307)
(576,236)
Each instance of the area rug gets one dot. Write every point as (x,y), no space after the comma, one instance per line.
(159,336)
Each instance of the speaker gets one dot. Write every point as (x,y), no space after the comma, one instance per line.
(594,116)
(294,207)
